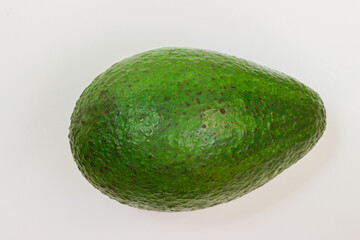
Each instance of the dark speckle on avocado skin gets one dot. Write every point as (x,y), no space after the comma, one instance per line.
(183,129)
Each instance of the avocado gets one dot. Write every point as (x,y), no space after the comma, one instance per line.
(180,129)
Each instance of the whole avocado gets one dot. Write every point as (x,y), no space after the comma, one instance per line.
(180,129)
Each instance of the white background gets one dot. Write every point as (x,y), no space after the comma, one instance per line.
(51,50)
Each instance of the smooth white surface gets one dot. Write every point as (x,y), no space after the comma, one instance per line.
(51,50)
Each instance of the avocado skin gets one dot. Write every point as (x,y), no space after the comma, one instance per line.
(179,129)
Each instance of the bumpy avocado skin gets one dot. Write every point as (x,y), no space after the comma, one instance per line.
(176,129)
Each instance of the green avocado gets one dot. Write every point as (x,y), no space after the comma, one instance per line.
(180,129)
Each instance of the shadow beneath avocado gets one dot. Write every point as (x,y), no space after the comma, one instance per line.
(265,197)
